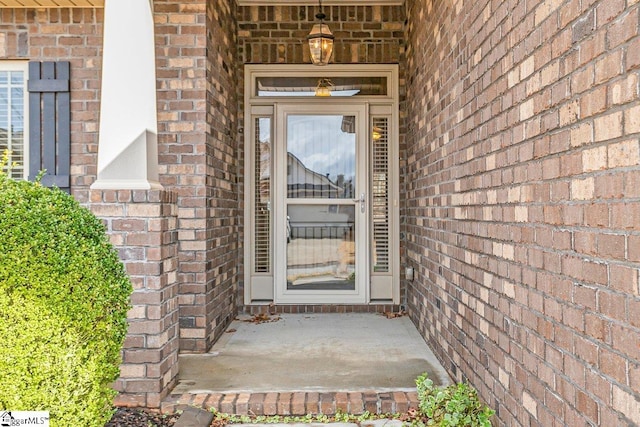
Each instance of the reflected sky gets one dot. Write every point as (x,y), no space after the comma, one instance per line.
(321,145)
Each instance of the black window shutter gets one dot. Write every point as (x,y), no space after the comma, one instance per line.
(49,122)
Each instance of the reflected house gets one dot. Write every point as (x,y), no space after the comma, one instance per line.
(321,221)
(321,252)
(317,221)
(304,183)
(264,186)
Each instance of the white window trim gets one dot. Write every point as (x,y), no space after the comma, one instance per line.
(21,65)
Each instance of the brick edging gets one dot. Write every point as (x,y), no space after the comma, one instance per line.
(295,403)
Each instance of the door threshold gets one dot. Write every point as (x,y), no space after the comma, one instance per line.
(271,308)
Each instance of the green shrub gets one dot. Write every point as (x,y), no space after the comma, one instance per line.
(64,298)
(457,405)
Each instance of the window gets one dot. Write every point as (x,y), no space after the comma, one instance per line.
(13,115)
(277,86)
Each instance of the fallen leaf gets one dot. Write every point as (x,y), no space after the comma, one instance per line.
(230,331)
(393,315)
(272,309)
(262,318)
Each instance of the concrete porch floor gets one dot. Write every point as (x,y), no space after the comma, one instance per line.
(338,356)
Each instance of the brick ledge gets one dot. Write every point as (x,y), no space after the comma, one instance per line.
(295,403)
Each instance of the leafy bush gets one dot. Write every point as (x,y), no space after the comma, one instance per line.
(454,406)
(64,298)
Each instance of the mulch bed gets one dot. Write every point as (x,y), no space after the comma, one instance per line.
(127,417)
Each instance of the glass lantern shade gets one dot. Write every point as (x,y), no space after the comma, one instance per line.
(320,44)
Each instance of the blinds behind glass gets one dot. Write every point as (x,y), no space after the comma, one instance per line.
(262,201)
(380,194)
(12,121)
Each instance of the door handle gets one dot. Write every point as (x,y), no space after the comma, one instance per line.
(361,200)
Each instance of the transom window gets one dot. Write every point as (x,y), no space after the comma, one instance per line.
(320,85)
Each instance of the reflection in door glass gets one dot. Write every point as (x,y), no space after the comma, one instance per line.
(321,247)
(321,157)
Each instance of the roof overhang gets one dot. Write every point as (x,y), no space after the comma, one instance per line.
(315,2)
(100,3)
(51,3)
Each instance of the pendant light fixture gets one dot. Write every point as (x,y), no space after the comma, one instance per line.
(323,88)
(320,40)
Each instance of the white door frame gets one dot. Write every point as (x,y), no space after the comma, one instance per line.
(282,294)
(259,287)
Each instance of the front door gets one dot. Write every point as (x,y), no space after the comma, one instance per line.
(321,175)
(321,213)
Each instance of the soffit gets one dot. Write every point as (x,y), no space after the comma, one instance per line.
(324,3)
(100,3)
(51,3)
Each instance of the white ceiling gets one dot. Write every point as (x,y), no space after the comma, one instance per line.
(51,3)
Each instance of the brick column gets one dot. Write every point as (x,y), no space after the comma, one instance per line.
(142,226)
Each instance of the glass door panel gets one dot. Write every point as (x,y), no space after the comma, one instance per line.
(321,157)
(321,249)
(324,214)
(321,164)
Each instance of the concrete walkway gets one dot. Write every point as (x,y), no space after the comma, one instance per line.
(312,352)
(309,363)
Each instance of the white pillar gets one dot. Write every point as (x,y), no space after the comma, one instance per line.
(128,140)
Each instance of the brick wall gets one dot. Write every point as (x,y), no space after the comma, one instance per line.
(223,166)
(64,34)
(142,226)
(181,74)
(522,219)
(278,34)
(196,110)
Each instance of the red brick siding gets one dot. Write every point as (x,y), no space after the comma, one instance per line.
(73,35)
(181,73)
(295,403)
(197,109)
(278,34)
(142,226)
(223,166)
(522,200)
